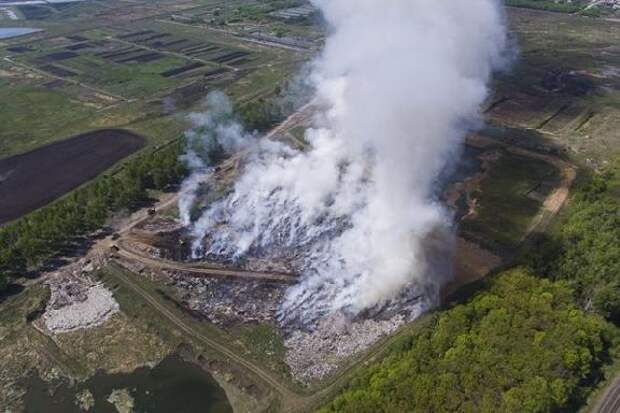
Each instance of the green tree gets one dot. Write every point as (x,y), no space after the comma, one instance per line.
(28,242)
(519,345)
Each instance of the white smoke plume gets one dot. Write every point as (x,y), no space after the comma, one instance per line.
(400,83)
(214,133)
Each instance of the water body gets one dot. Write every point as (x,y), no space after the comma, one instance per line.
(174,385)
(8,32)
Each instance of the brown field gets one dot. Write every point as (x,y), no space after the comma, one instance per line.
(32,180)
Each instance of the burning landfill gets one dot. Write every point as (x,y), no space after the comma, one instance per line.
(355,214)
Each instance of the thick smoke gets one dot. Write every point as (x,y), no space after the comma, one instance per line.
(399,84)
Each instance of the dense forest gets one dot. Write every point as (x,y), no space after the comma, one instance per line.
(520,345)
(29,242)
(530,340)
(585,250)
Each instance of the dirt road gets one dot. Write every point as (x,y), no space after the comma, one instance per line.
(127,252)
(557,199)
(291,402)
(610,401)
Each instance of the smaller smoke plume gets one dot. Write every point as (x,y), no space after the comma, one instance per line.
(214,134)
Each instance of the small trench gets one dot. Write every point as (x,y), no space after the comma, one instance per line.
(552,117)
(495,104)
(587,120)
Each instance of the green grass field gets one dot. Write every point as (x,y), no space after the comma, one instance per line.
(104,93)
(130,80)
(31,117)
(505,205)
(267,345)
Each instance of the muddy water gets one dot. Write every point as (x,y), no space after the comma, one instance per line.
(174,385)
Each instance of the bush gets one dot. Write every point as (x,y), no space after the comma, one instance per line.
(260,115)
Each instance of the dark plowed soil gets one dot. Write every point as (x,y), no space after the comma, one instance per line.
(32,180)
(58,71)
(182,69)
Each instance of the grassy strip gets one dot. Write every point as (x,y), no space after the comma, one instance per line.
(547,5)
(578,7)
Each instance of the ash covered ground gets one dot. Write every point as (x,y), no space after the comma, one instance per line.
(352,207)
(315,348)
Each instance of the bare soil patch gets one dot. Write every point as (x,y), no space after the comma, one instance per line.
(32,180)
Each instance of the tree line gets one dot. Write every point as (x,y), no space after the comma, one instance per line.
(260,115)
(29,242)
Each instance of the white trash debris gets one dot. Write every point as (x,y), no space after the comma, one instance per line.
(77,303)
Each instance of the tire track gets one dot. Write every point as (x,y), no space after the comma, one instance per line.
(610,402)
(161,264)
(290,400)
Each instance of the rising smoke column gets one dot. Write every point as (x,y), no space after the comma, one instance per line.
(400,83)
(214,133)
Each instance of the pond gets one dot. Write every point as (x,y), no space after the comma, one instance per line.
(174,385)
(8,32)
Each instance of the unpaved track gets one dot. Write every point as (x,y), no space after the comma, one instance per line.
(162,264)
(557,199)
(304,114)
(610,401)
(291,401)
